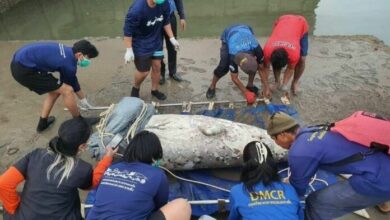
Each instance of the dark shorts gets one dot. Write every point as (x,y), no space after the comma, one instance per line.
(304,45)
(157,215)
(144,63)
(37,81)
(225,63)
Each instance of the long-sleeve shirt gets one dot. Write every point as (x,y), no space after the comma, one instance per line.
(146,25)
(50,57)
(177,5)
(313,150)
(42,197)
(277,201)
(130,191)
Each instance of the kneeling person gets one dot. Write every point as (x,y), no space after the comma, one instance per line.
(239,48)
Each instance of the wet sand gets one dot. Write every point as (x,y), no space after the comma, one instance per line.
(343,74)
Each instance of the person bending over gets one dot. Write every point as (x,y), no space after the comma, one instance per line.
(311,149)
(287,45)
(33,64)
(240,48)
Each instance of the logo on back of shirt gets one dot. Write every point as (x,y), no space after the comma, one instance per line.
(156,19)
(134,176)
(268,197)
(62,51)
(123,179)
(283,44)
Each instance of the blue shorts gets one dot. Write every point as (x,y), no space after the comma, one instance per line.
(304,45)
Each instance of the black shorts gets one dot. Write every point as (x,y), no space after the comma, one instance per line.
(37,81)
(157,215)
(225,64)
(143,63)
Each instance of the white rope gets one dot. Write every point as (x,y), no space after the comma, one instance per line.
(103,123)
(133,127)
(313,179)
(193,181)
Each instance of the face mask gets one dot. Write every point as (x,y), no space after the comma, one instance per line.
(156,163)
(84,62)
(159,2)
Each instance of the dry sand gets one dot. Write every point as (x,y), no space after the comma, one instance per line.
(343,74)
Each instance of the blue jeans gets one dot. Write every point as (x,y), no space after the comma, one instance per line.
(337,200)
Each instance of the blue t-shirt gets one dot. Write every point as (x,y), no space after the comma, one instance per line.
(311,151)
(50,57)
(277,201)
(239,38)
(145,25)
(130,191)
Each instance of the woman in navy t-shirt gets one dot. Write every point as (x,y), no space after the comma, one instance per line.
(136,189)
(262,195)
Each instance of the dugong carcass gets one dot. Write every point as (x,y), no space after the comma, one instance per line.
(197,141)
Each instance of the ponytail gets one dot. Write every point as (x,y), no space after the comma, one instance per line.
(63,164)
(259,166)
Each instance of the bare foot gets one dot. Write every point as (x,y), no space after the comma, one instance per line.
(384,207)
(276,86)
(294,88)
(284,88)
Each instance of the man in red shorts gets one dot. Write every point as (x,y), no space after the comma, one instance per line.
(287,45)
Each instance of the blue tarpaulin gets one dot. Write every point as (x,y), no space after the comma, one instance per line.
(250,115)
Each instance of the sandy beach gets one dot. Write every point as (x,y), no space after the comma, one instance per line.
(343,74)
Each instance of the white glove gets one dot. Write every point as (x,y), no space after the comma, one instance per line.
(85,104)
(129,55)
(175,43)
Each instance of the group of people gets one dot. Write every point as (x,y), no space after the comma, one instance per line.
(287,46)
(262,195)
(135,188)
(131,189)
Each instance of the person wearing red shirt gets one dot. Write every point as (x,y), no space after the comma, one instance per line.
(287,45)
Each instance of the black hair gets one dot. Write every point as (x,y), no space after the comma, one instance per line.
(86,48)
(144,147)
(279,59)
(253,171)
(71,134)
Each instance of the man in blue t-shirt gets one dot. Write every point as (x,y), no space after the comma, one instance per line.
(144,25)
(311,149)
(239,48)
(33,64)
(175,5)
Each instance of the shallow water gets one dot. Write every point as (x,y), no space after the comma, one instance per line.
(71,19)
